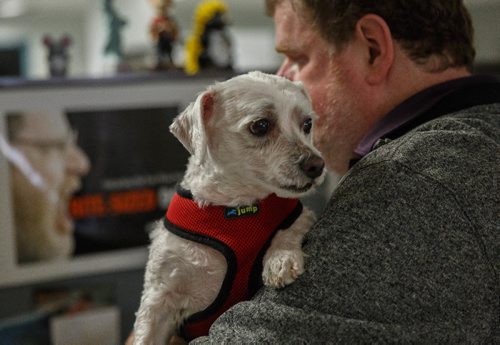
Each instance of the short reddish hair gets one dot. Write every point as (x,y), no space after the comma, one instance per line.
(424,28)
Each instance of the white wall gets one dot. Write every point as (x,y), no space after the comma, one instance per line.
(251,31)
(486,17)
(29,31)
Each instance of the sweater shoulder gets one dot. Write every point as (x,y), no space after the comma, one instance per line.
(462,142)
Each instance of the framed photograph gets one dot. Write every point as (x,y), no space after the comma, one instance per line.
(86,168)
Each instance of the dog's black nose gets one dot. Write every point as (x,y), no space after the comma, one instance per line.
(312,166)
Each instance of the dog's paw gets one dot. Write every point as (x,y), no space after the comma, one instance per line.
(282,267)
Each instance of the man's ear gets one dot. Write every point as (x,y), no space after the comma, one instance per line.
(190,126)
(376,36)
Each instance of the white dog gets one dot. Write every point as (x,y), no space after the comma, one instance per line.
(251,157)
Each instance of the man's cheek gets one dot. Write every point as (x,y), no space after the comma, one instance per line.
(318,139)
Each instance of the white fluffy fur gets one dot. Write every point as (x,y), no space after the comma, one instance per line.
(230,166)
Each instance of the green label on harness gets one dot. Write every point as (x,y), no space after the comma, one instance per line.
(242,211)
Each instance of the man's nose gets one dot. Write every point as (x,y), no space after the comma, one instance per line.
(287,70)
(77,162)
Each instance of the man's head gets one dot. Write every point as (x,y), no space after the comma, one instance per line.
(422,27)
(359,59)
(43,227)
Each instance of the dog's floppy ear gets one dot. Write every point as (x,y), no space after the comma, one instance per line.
(189,126)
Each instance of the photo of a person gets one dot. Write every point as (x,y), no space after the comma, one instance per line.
(46,167)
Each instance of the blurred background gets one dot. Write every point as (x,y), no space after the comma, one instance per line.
(23,24)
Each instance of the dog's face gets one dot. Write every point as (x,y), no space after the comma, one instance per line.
(256,131)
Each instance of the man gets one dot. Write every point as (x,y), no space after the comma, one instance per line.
(408,249)
(46,167)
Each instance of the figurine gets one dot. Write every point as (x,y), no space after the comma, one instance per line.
(209,45)
(164,32)
(57,55)
(116,24)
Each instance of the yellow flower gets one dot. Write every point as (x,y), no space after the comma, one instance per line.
(193,49)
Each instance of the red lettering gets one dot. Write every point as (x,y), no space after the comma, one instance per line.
(87,206)
(136,201)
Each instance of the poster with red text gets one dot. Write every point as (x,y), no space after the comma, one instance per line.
(135,165)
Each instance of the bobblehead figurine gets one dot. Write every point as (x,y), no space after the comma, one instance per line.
(57,55)
(164,33)
(114,45)
(209,45)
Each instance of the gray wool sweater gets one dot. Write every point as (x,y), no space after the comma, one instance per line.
(407,250)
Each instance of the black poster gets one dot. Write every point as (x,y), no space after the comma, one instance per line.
(135,164)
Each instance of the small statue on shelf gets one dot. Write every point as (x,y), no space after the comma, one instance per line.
(164,32)
(57,55)
(116,23)
(209,45)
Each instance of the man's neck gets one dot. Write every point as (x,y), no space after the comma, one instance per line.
(411,78)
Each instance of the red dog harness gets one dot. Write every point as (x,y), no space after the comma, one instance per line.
(242,234)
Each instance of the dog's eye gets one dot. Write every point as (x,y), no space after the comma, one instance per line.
(307,125)
(260,127)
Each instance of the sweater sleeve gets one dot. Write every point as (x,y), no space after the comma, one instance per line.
(393,259)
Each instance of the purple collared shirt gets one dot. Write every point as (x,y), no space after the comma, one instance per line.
(412,108)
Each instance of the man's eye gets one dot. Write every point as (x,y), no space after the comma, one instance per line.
(307,125)
(260,127)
